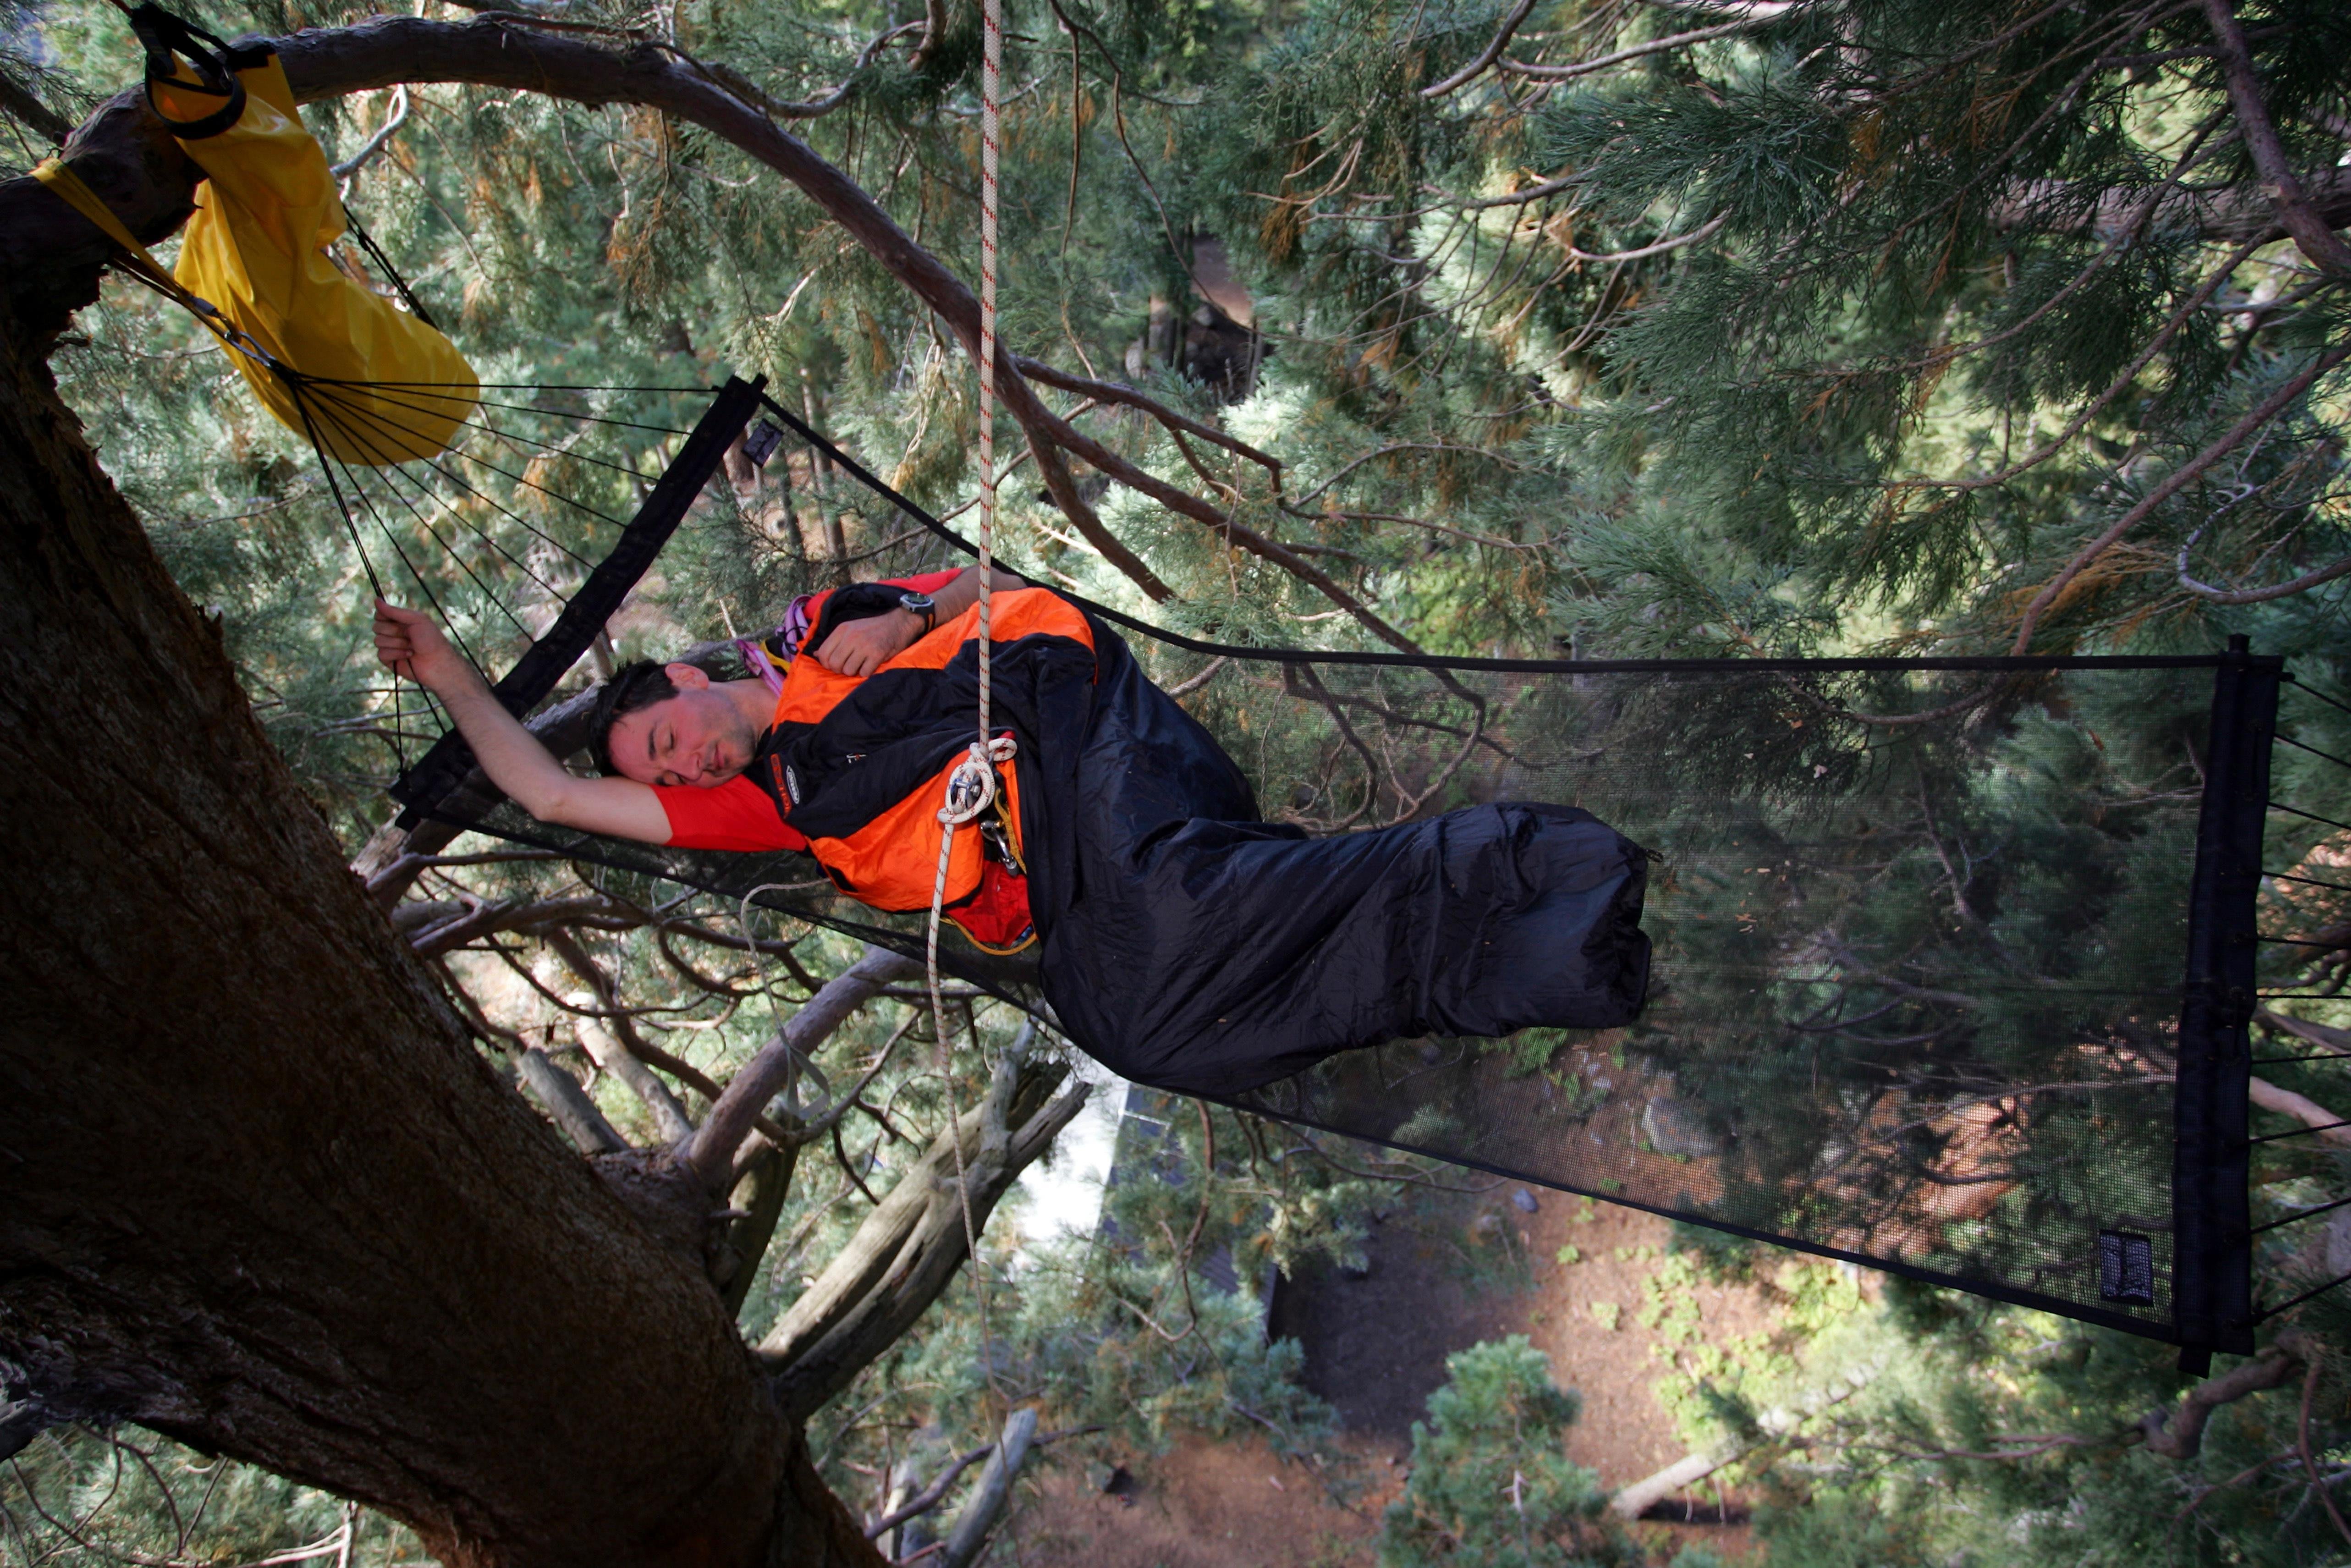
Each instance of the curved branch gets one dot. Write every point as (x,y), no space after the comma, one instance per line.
(503,50)
(2303,584)
(1663,245)
(1654,47)
(394,118)
(1486,57)
(742,87)
(2179,1434)
(2268,408)
(1119,393)
(50,255)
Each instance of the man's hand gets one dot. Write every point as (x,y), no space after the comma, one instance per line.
(862,647)
(410,644)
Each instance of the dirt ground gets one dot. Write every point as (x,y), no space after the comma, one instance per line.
(1445,1272)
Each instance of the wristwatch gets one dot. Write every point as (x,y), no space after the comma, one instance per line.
(922,604)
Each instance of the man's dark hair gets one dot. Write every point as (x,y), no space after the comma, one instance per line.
(637,687)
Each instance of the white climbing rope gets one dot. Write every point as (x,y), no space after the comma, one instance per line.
(971,788)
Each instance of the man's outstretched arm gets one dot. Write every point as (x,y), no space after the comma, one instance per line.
(531,776)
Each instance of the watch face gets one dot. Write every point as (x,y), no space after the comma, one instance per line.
(920,604)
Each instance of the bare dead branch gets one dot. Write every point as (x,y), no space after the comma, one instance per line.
(1531,194)
(1121,394)
(2303,584)
(1704,231)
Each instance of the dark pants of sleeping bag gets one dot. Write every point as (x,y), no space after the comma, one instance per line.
(1189,946)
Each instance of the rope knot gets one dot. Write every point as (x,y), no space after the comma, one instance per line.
(971,788)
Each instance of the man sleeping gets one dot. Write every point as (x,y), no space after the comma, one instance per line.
(1182,940)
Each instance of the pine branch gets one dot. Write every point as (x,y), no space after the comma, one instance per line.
(1486,57)
(2312,234)
(2269,407)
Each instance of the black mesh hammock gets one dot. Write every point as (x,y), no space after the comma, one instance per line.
(1954,958)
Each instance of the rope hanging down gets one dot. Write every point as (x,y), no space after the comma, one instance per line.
(972,787)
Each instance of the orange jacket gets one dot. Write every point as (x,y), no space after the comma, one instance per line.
(859,765)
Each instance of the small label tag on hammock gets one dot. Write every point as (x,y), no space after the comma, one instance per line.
(2126,1269)
(760,441)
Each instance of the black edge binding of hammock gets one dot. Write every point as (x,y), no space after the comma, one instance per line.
(524,687)
(2211,1306)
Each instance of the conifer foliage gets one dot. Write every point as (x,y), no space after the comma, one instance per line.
(1603,327)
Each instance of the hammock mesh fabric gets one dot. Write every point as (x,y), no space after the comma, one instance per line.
(1952,960)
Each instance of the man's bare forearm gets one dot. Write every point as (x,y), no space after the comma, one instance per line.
(516,763)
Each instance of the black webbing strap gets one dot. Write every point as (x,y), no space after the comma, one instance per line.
(526,685)
(1500,666)
(215,63)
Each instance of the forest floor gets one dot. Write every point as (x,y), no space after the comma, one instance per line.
(1446,1271)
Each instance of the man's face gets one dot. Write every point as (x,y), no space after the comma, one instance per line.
(698,738)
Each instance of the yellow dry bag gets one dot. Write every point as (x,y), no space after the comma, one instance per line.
(370,382)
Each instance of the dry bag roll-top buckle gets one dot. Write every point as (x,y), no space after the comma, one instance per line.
(972,787)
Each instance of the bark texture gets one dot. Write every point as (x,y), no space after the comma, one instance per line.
(257,1189)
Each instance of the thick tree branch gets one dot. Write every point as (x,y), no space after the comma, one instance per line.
(2316,1034)
(19,99)
(2179,1434)
(2312,233)
(129,159)
(910,1245)
(2329,1126)
(501,51)
(759,1199)
(567,1105)
(712,1152)
(987,1499)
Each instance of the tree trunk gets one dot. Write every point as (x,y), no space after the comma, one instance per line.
(257,1189)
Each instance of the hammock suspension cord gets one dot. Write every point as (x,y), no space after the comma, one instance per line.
(971,789)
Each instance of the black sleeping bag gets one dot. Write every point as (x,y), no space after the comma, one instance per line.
(1190,946)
